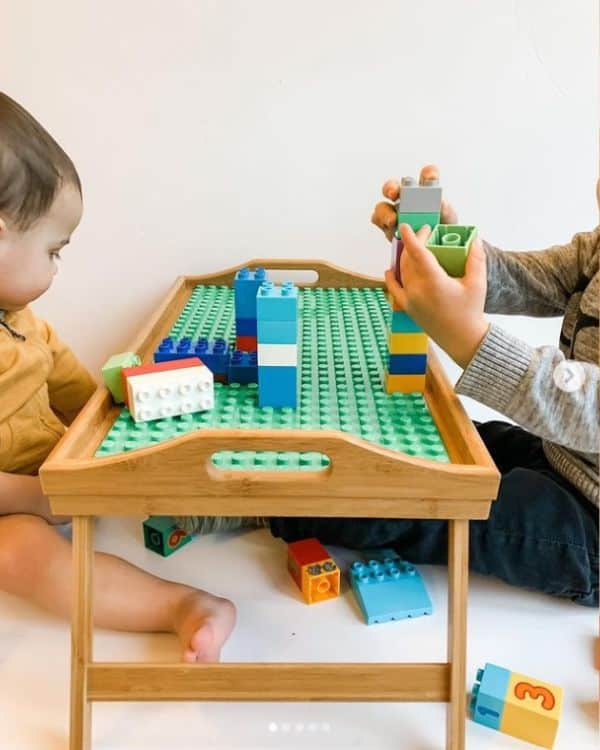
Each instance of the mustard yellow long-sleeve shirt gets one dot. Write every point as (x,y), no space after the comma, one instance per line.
(42,387)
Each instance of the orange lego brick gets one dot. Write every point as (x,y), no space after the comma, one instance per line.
(408,343)
(404,383)
(313,570)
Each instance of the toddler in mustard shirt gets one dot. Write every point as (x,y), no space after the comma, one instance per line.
(42,387)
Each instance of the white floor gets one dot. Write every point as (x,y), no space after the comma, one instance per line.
(532,634)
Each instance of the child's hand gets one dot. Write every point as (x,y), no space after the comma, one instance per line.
(384,214)
(450,310)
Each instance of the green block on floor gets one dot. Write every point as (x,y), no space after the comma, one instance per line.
(417,220)
(111,373)
(163,536)
(450,243)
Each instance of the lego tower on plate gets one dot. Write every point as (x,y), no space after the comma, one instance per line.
(277,330)
(407,342)
(245,288)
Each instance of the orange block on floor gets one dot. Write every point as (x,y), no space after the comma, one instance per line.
(404,383)
(315,573)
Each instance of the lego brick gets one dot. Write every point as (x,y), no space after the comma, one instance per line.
(163,536)
(420,199)
(153,367)
(277,302)
(277,331)
(532,710)
(351,321)
(215,354)
(245,287)
(488,695)
(111,373)
(408,343)
(401,322)
(407,364)
(404,383)
(246,343)
(171,393)
(451,243)
(243,367)
(315,572)
(277,355)
(277,386)
(418,219)
(245,326)
(389,590)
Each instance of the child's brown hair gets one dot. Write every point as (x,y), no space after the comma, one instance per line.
(32,166)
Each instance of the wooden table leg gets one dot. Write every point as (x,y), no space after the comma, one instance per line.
(81,632)
(458,577)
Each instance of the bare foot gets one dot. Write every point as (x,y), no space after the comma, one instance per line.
(203,623)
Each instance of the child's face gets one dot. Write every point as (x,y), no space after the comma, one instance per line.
(28,258)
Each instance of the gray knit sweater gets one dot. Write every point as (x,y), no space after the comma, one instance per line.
(517,380)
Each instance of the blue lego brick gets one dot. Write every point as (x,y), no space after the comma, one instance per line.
(277,302)
(243,367)
(400,322)
(389,590)
(215,354)
(407,364)
(277,386)
(488,695)
(245,287)
(277,331)
(163,536)
(245,326)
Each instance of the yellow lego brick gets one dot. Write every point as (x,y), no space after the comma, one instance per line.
(532,710)
(408,343)
(320,581)
(404,383)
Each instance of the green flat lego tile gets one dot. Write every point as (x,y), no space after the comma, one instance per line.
(342,350)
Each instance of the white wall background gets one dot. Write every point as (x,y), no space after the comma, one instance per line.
(210,132)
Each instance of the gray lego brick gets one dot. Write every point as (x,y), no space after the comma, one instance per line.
(420,199)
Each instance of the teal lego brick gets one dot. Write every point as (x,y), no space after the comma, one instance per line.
(277,331)
(451,243)
(111,373)
(417,220)
(277,386)
(163,536)
(277,302)
(488,695)
(390,589)
(400,322)
(342,350)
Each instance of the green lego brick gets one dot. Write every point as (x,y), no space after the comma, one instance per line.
(111,373)
(342,349)
(450,243)
(417,220)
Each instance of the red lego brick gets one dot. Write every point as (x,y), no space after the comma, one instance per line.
(246,343)
(307,551)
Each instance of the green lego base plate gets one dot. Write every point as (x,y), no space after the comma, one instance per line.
(342,345)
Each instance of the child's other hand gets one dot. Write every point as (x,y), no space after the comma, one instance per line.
(384,214)
(450,310)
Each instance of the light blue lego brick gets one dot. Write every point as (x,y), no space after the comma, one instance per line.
(400,322)
(407,364)
(277,331)
(277,386)
(389,590)
(245,286)
(488,695)
(277,302)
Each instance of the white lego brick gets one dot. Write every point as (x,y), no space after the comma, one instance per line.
(158,395)
(282,355)
(420,199)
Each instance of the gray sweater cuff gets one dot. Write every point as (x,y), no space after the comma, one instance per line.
(495,373)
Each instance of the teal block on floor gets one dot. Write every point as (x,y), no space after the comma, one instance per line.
(400,322)
(488,694)
(163,536)
(391,589)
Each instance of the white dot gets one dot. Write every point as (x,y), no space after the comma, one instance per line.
(272,726)
(568,376)
(185,388)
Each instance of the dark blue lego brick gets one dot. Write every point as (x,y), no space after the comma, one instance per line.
(277,386)
(245,326)
(243,367)
(277,331)
(488,695)
(389,589)
(215,354)
(245,287)
(407,364)
(277,302)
